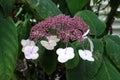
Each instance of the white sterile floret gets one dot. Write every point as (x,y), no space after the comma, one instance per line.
(54,38)
(86,55)
(27,43)
(29,49)
(48,44)
(65,54)
(30,52)
(51,43)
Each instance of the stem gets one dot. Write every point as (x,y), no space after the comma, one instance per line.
(98,9)
(88,6)
(110,20)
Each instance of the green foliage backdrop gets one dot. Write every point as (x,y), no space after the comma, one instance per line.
(15,25)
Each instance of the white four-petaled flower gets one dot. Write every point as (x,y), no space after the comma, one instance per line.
(65,54)
(51,43)
(86,55)
(29,49)
(31,52)
(54,38)
(48,44)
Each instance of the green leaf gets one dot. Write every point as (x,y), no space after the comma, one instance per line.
(41,50)
(48,61)
(113,49)
(75,73)
(8,48)
(62,6)
(114,3)
(117,15)
(95,1)
(23,29)
(87,68)
(92,68)
(7,6)
(107,71)
(77,5)
(97,27)
(43,8)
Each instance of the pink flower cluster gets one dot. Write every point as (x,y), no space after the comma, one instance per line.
(64,27)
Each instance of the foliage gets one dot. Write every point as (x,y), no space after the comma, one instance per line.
(8,48)
(16,20)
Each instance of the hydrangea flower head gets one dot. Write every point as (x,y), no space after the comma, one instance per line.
(64,27)
(65,54)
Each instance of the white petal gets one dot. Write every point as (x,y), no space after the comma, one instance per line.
(30,50)
(27,43)
(23,42)
(27,55)
(62,59)
(86,55)
(48,45)
(71,55)
(44,43)
(65,54)
(85,34)
(54,38)
(32,43)
(82,54)
(70,52)
(52,43)
(60,51)
(51,37)
(90,58)
(23,49)
(34,49)
(88,52)
(34,56)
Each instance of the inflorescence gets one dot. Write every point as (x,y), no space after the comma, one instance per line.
(59,28)
(66,28)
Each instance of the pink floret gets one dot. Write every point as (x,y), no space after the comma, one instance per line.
(66,28)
